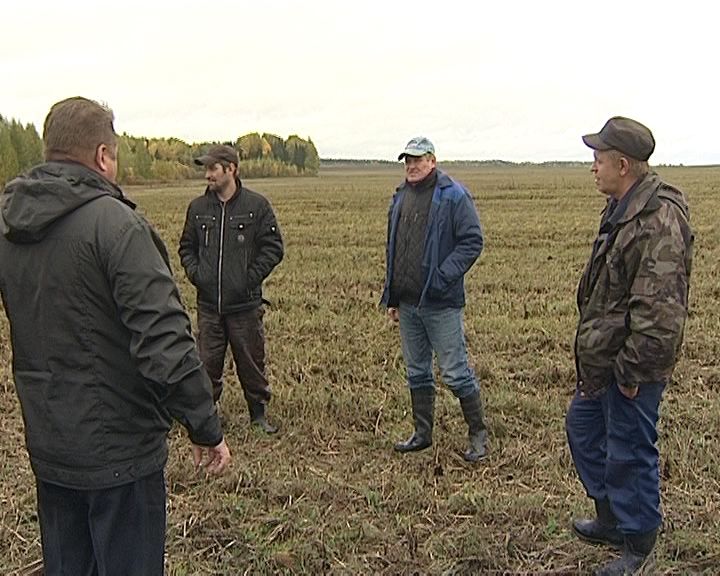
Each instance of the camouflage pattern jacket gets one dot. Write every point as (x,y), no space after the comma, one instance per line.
(633,295)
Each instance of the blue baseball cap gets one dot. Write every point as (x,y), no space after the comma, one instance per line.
(418,146)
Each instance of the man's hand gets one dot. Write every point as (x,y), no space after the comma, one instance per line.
(214,460)
(628,392)
(394,314)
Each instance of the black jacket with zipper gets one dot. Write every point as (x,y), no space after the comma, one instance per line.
(103,354)
(229,248)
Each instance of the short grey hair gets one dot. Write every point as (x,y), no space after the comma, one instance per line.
(638,168)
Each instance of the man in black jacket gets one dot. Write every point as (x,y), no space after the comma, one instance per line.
(103,354)
(230,243)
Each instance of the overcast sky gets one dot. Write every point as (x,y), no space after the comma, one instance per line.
(506,79)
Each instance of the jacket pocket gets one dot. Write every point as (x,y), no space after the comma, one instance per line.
(207,235)
(34,390)
(240,245)
(243,227)
(435,288)
(63,423)
(615,282)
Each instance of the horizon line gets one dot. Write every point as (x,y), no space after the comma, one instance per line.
(512,162)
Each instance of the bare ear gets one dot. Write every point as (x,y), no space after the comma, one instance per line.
(624,166)
(104,158)
(104,161)
(101,157)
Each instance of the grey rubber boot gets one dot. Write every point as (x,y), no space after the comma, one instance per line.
(423,407)
(472,410)
(602,529)
(257,418)
(638,558)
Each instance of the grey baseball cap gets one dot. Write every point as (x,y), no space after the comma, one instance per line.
(418,146)
(624,135)
(216,154)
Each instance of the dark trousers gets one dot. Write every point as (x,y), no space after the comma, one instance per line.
(245,333)
(613,441)
(111,532)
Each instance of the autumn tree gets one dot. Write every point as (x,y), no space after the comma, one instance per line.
(20,148)
(277,147)
(9,167)
(252,146)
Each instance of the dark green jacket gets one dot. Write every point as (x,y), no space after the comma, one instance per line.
(633,296)
(103,355)
(228,249)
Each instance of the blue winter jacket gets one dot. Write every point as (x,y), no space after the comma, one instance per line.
(453,242)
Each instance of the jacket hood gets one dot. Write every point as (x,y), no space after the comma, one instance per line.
(31,203)
(649,195)
(669,192)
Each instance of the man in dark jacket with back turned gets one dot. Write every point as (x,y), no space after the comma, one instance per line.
(229,245)
(103,354)
(434,237)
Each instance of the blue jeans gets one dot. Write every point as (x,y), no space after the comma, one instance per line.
(613,441)
(424,330)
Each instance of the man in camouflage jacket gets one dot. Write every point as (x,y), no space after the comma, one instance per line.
(632,300)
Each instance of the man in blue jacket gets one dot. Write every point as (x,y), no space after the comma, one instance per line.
(434,237)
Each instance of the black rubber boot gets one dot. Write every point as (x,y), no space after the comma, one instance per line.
(472,410)
(423,406)
(257,418)
(602,529)
(637,559)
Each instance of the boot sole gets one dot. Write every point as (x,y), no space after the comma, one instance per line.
(404,449)
(600,541)
(647,568)
(473,459)
(268,429)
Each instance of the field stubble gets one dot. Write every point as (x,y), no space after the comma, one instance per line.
(328,494)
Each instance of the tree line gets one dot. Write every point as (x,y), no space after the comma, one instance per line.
(166,159)
(144,160)
(20,148)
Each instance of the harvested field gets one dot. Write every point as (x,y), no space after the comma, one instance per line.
(328,494)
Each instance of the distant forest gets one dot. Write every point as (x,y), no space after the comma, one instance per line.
(143,160)
(350,163)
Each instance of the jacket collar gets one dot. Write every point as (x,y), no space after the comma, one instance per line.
(644,197)
(238,189)
(443,180)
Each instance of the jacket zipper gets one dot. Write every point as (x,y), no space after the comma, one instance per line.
(220,256)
